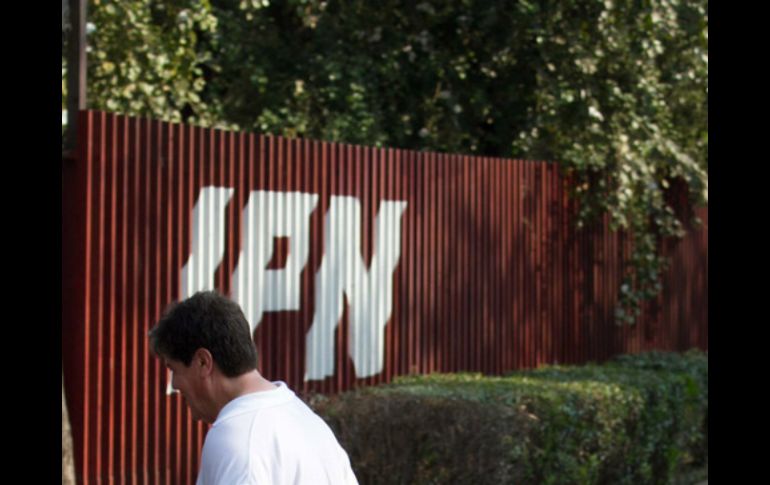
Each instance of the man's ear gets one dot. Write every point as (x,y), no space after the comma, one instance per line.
(203,362)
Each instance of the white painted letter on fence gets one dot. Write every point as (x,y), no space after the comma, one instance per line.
(369,291)
(208,240)
(208,245)
(269,215)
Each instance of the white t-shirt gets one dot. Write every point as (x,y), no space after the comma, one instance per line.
(272,438)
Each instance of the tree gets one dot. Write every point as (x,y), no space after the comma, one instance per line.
(145,57)
(616,91)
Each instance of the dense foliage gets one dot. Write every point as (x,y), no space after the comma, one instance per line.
(616,91)
(639,420)
(145,58)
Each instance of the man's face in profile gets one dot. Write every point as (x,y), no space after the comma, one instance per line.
(188,382)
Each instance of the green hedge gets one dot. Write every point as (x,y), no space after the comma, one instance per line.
(639,419)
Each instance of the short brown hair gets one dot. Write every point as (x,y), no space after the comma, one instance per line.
(211,321)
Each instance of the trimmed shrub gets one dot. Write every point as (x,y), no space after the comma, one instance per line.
(635,420)
(693,364)
(418,436)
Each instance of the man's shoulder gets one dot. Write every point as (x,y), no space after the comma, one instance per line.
(245,432)
(226,461)
(230,451)
(224,439)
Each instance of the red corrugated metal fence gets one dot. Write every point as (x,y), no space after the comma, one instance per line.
(353,264)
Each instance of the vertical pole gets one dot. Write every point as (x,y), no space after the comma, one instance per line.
(76,70)
(76,100)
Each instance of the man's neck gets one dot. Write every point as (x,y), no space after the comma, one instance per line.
(234,387)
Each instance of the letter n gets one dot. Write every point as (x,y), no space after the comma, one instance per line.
(369,291)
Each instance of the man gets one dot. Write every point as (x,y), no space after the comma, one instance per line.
(262,432)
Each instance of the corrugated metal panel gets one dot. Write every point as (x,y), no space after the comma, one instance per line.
(353,265)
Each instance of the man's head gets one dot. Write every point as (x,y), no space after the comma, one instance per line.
(205,341)
(206,320)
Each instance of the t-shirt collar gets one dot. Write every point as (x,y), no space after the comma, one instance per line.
(256,400)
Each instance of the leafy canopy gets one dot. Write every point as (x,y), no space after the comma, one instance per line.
(616,91)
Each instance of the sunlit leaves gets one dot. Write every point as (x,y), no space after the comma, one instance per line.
(642,73)
(144,58)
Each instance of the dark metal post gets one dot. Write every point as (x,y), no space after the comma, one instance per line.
(76,71)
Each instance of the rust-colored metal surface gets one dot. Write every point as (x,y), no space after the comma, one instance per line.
(352,264)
